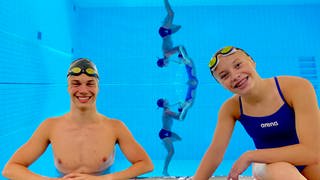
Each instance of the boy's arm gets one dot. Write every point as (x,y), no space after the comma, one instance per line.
(17,167)
(134,152)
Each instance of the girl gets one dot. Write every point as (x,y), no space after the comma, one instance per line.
(280,114)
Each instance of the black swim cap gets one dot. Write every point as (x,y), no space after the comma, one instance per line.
(160,102)
(160,62)
(83,65)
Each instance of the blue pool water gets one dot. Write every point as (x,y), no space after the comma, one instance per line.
(39,40)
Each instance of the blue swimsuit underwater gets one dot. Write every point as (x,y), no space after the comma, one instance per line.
(193,80)
(163,32)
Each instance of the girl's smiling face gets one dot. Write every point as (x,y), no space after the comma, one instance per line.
(235,72)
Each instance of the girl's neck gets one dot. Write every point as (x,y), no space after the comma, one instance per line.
(259,92)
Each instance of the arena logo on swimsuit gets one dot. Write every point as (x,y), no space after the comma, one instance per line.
(271,124)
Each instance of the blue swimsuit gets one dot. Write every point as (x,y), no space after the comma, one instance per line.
(191,77)
(272,131)
(164,133)
(163,32)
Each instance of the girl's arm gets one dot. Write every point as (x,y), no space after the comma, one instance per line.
(220,141)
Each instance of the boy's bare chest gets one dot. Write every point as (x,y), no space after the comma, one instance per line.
(88,148)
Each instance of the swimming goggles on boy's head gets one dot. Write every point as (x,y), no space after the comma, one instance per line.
(81,66)
(214,61)
(76,71)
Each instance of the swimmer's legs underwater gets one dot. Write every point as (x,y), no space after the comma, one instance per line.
(189,100)
(168,144)
(168,21)
(184,110)
(183,53)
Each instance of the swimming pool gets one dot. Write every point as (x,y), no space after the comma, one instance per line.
(39,40)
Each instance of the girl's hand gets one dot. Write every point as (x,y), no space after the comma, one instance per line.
(239,167)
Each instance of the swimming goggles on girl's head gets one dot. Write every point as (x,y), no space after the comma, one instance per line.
(224,52)
(76,71)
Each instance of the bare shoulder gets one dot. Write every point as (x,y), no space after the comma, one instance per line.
(49,123)
(231,107)
(120,130)
(294,84)
(293,81)
(42,135)
(294,87)
(116,124)
(53,121)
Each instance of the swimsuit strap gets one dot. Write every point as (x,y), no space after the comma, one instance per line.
(279,90)
(240,102)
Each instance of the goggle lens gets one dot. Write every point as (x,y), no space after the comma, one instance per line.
(226,50)
(76,71)
(214,60)
(90,71)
